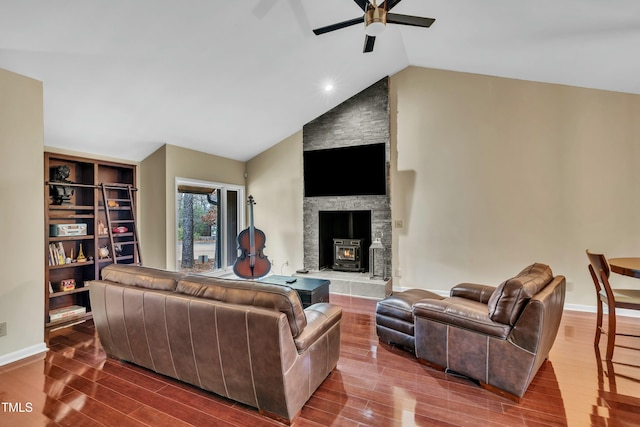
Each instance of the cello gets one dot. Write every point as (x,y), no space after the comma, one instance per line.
(251,263)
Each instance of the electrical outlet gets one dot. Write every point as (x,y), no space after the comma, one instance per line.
(3,329)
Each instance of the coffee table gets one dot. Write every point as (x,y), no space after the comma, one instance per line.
(309,289)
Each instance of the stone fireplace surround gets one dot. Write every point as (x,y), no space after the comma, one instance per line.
(380,222)
(362,119)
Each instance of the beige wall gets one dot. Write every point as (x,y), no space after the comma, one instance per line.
(275,181)
(492,174)
(22,216)
(153,209)
(488,175)
(158,174)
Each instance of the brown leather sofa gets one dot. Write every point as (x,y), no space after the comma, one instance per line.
(498,336)
(247,341)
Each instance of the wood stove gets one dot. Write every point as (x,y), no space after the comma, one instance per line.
(347,254)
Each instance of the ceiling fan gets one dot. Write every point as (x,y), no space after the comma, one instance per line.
(375,19)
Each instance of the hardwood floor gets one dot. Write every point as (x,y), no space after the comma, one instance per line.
(75,384)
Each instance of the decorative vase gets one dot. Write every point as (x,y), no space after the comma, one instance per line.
(103,252)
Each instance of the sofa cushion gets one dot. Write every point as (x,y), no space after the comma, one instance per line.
(462,313)
(142,277)
(508,300)
(245,292)
(399,305)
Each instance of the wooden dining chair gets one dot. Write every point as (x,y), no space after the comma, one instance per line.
(613,298)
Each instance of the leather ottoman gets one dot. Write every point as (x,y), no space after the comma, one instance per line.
(394,317)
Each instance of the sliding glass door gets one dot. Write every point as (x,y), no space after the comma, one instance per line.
(208,219)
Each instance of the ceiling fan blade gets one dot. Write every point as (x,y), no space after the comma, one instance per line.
(338,26)
(364,4)
(301,16)
(415,21)
(368,44)
(389,4)
(263,7)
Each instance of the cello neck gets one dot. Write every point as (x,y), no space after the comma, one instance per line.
(252,238)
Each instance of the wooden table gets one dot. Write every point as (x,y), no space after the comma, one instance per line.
(310,290)
(625,266)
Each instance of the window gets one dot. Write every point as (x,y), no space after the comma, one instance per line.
(208,218)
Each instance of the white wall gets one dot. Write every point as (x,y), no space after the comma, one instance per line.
(22,216)
(492,174)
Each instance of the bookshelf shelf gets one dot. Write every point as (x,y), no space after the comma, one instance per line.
(72,291)
(72,265)
(71,238)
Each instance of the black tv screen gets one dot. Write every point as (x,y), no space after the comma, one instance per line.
(348,171)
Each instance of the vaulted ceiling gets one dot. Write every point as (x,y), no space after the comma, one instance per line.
(232,78)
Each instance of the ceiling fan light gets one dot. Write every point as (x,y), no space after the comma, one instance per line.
(375,21)
(374,29)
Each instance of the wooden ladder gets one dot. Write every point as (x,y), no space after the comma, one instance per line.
(120,211)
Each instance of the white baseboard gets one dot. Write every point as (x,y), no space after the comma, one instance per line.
(580,307)
(592,309)
(23,353)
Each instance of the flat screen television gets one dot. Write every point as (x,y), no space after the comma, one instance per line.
(347,171)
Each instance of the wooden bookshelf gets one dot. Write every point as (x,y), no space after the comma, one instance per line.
(82,204)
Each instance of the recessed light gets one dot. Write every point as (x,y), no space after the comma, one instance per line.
(328,87)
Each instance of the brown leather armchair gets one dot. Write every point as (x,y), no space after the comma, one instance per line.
(498,336)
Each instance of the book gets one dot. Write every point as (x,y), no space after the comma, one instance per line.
(55,255)
(65,312)
(51,257)
(61,254)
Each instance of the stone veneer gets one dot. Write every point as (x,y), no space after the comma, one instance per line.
(362,119)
